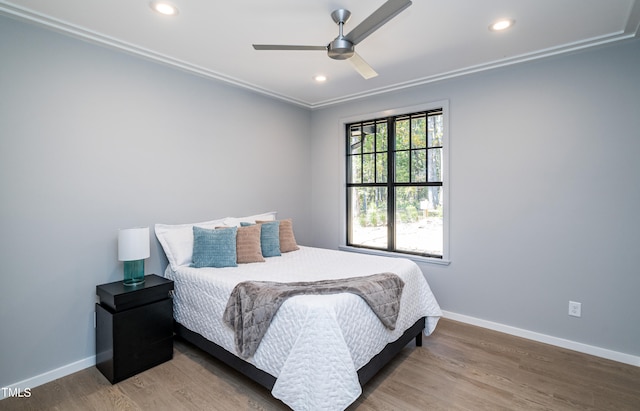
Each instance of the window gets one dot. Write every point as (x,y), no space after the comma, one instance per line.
(395,183)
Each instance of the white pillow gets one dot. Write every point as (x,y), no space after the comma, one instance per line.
(177,240)
(235,221)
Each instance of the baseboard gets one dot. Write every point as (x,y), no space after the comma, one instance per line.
(547,339)
(49,376)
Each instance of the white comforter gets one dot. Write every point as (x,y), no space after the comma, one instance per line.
(315,343)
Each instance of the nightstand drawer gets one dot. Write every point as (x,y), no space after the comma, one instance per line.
(142,326)
(119,297)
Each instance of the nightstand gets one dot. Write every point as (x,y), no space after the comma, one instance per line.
(134,327)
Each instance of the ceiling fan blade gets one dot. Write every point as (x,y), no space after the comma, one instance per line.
(362,67)
(282,47)
(377,19)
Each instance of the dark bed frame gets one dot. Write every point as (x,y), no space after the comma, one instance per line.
(267,380)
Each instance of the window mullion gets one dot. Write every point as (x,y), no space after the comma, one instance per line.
(391,194)
(349,169)
(375,153)
(362,152)
(410,149)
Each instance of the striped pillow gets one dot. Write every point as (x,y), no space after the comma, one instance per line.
(248,245)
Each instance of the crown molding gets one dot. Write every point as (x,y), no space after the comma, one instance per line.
(631,30)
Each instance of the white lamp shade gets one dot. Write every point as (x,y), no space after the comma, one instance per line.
(133,244)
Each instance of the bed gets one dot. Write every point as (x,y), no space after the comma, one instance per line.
(319,349)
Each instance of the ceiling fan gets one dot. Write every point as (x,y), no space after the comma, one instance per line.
(343,47)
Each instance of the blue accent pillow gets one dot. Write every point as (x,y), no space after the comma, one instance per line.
(214,248)
(269,238)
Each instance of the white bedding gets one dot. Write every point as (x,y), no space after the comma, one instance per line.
(315,343)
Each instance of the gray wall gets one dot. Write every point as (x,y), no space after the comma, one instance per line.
(545,193)
(92,140)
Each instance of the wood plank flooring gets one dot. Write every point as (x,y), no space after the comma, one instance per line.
(459,367)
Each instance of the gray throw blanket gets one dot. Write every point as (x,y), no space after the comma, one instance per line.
(253,304)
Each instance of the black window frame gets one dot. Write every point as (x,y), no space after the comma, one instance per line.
(390,184)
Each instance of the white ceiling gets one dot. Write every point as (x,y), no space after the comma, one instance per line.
(429,41)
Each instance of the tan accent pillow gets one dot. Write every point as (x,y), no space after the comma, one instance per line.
(287,239)
(248,249)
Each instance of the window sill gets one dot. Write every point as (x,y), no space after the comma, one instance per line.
(416,258)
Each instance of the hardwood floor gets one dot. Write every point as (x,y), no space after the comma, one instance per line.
(459,367)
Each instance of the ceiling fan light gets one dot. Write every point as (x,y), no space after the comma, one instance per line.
(502,24)
(163,7)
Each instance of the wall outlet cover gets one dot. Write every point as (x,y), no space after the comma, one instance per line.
(575,309)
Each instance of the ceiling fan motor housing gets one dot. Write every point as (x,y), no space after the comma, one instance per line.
(340,49)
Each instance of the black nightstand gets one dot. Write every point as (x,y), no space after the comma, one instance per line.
(134,327)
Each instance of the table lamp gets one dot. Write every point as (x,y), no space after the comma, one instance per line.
(133,248)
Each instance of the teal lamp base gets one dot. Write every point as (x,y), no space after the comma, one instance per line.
(134,272)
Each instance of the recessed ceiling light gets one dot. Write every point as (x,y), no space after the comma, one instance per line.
(163,7)
(502,24)
(320,78)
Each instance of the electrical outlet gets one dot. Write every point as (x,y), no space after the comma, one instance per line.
(575,309)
